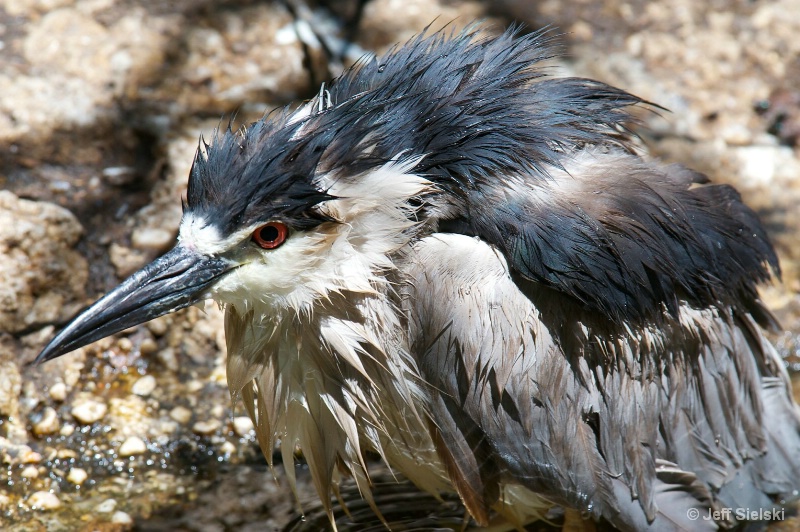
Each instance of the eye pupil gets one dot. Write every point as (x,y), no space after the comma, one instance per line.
(268,233)
(271,235)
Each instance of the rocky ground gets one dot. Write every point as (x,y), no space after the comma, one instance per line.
(101,105)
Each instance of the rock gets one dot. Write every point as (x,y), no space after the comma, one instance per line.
(125,345)
(242,426)
(144,386)
(152,239)
(121,518)
(57,47)
(763,165)
(28,456)
(227,448)
(58,392)
(10,388)
(206,428)
(132,446)
(48,424)
(129,415)
(30,472)
(44,500)
(88,411)
(106,507)
(66,454)
(42,278)
(382,26)
(77,476)
(126,260)
(220,74)
(148,347)
(181,414)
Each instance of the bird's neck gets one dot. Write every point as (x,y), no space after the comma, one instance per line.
(335,381)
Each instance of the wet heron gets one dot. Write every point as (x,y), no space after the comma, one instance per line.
(457,262)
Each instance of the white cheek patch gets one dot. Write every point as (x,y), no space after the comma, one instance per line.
(198,235)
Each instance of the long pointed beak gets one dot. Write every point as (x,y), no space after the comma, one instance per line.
(174,281)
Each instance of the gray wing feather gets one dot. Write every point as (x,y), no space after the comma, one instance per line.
(635,426)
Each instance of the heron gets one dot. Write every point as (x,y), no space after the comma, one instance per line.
(460,263)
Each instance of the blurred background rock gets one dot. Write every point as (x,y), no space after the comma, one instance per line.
(101,105)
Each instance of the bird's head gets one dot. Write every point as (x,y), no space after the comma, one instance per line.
(270,225)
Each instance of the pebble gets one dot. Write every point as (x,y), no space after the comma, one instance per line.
(121,518)
(194,386)
(66,454)
(125,345)
(58,392)
(148,346)
(48,424)
(144,386)
(152,239)
(44,500)
(88,411)
(242,425)
(757,164)
(167,357)
(106,507)
(159,326)
(77,476)
(132,446)
(181,414)
(206,428)
(27,456)
(30,472)
(227,448)
(67,430)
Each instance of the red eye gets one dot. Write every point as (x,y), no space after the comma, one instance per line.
(271,235)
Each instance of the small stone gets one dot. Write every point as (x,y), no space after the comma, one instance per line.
(227,448)
(159,326)
(148,346)
(58,392)
(125,345)
(194,386)
(125,260)
(30,472)
(132,446)
(121,518)
(242,426)
(106,507)
(27,456)
(5,501)
(167,357)
(48,424)
(757,164)
(77,476)
(737,135)
(144,386)
(88,411)
(149,239)
(206,428)
(44,500)
(66,454)
(119,175)
(181,414)
(67,430)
